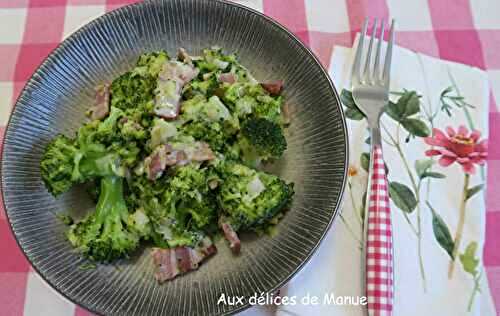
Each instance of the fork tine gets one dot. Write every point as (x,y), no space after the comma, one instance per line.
(367,72)
(359,51)
(388,56)
(376,67)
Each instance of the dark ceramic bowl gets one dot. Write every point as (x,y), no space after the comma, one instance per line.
(56,97)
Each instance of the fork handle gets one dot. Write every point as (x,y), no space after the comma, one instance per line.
(378,235)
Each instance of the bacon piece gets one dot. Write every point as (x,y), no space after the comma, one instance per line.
(171,79)
(184,262)
(156,167)
(171,158)
(182,158)
(202,152)
(206,247)
(165,155)
(167,106)
(273,87)
(231,236)
(156,163)
(168,113)
(172,262)
(180,72)
(184,56)
(227,77)
(166,262)
(100,109)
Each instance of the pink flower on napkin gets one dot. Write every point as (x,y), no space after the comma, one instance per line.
(460,146)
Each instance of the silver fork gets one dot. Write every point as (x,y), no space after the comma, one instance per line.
(370,91)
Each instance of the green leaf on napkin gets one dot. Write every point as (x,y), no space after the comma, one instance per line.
(393,111)
(407,105)
(470,264)
(363,207)
(416,127)
(346,99)
(351,112)
(431,174)
(448,100)
(441,232)
(472,191)
(412,103)
(445,106)
(402,111)
(365,161)
(402,196)
(354,114)
(469,260)
(422,165)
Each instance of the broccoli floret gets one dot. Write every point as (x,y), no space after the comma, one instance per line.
(209,121)
(132,91)
(132,130)
(58,163)
(214,59)
(211,133)
(250,99)
(180,207)
(67,161)
(119,133)
(106,129)
(147,196)
(265,136)
(269,108)
(250,198)
(128,153)
(140,223)
(212,110)
(151,63)
(105,235)
(161,132)
(234,92)
(245,106)
(189,199)
(96,151)
(201,87)
(135,89)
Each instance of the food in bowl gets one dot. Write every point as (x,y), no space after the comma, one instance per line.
(171,153)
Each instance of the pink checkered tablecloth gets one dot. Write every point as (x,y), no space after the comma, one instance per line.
(458,30)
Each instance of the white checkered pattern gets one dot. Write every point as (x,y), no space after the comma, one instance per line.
(405,14)
(334,20)
(254,4)
(78,16)
(485,14)
(15,19)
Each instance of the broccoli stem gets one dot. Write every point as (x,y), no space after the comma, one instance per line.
(104,235)
(111,198)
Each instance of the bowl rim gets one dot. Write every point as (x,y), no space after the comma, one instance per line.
(60,48)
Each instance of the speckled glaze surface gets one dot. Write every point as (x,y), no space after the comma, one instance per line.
(55,99)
